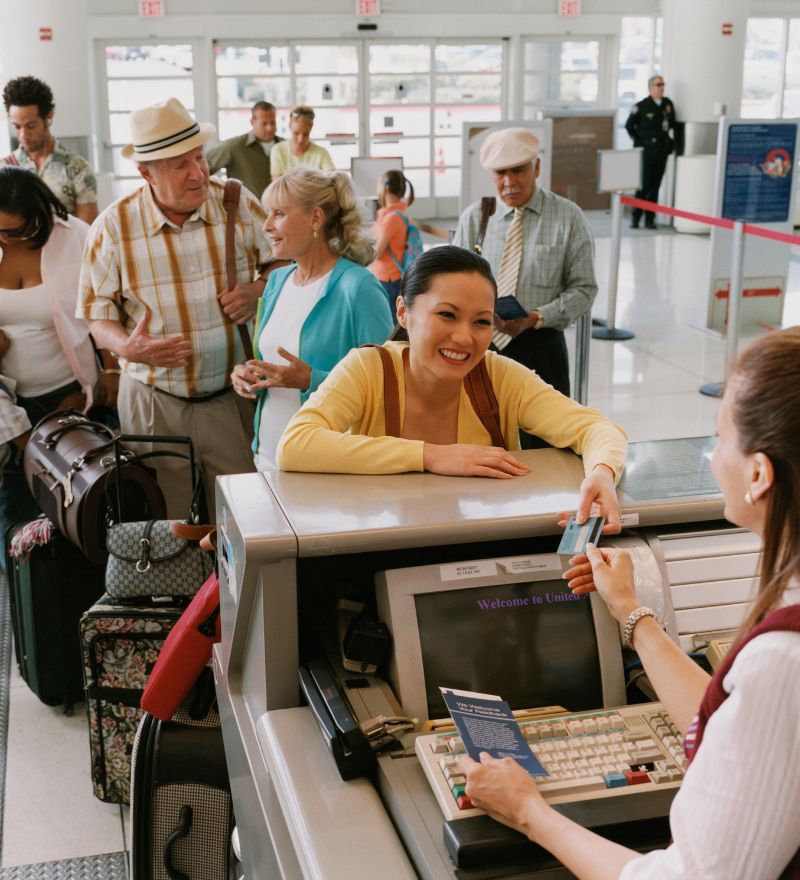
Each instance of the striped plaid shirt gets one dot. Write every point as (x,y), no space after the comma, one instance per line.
(556,277)
(137,261)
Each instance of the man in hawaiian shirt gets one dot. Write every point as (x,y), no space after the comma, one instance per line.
(29,104)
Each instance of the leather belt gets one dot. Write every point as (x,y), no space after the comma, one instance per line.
(198,398)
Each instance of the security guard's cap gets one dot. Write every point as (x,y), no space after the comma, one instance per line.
(509,147)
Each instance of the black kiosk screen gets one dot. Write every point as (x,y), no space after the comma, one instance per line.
(531,643)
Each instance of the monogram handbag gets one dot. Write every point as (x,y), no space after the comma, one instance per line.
(71,463)
(158,557)
(149,559)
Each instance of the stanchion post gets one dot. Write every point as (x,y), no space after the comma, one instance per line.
(611,331)
(717,389)
(583,328)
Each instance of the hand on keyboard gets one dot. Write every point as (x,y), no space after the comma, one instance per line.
(504,790)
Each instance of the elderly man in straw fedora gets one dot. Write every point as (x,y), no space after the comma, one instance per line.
(540,250)
(153,290)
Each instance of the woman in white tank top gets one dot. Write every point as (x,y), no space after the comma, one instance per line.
(45,350)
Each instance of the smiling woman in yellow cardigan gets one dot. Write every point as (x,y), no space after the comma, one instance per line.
(447,309)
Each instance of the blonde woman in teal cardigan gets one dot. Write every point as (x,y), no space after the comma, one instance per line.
(313,312)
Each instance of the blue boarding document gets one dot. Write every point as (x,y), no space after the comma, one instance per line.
(486,724)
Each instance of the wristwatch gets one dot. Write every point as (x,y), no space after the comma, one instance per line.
(539,323)
(633,618)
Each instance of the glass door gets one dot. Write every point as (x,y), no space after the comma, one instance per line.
(137,75)
(324,76)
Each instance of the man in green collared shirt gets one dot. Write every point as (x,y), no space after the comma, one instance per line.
(246,157)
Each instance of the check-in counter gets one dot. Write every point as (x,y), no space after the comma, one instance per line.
(288,540)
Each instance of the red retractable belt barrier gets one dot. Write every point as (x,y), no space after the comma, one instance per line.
(749,228)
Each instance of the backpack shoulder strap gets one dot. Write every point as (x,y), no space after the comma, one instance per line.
(391,392)
(483,400)
(230,201)
(389,250)
(488,206)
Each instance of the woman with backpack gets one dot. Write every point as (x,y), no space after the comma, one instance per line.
(390,232)
(360,421)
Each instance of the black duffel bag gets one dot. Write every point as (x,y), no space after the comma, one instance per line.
(70,468)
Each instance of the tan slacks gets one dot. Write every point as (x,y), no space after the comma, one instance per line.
(221,430)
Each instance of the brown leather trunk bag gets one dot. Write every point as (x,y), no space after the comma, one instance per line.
(70,468)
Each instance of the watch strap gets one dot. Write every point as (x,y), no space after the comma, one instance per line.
(630,624)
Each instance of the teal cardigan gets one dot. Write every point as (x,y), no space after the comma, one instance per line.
(352,311)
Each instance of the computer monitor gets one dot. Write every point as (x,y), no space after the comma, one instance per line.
(507,626)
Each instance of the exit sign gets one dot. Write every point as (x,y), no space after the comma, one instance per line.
(368,7)
(151,8)
(569,7)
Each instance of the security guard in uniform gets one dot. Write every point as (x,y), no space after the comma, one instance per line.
(649,125)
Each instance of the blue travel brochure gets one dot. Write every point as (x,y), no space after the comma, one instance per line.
(485,724)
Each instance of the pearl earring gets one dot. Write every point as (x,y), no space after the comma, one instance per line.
(315,233)
(748,499)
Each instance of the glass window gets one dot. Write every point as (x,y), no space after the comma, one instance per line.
(400,120)
(326,90)
(762,83)
(399,58)
(415,151)
(148,61)
(470,57)
(335,120)
(449,120)
(447,182)
(791,94)
(421,181)
(465,88)
(561,73)
(139,75)
(412,89)
(244,91)
(252,60)
(325,58)
(639,57)
(128,94)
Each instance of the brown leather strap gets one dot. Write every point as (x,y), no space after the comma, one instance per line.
(391,392)
(230,201)
(190,531)
(478,386)
(488,206)
(483,400)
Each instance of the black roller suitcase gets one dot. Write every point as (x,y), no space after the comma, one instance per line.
(48,593)
(121,643)
(181,807)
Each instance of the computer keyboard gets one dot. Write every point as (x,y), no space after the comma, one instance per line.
(609,753)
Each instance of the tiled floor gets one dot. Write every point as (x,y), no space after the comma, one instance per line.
(648,384)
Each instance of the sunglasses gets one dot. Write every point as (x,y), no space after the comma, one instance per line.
(305,114)
(658,84)
(21,232)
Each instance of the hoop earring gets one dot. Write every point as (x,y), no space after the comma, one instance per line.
(748,499)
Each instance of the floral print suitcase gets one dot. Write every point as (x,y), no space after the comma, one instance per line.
(120,644)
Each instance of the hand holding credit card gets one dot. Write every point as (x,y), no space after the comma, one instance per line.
(576,537)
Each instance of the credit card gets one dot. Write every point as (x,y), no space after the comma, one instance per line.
(576,537)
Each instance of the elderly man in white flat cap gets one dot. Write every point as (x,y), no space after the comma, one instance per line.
(153,289)
(540,250)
